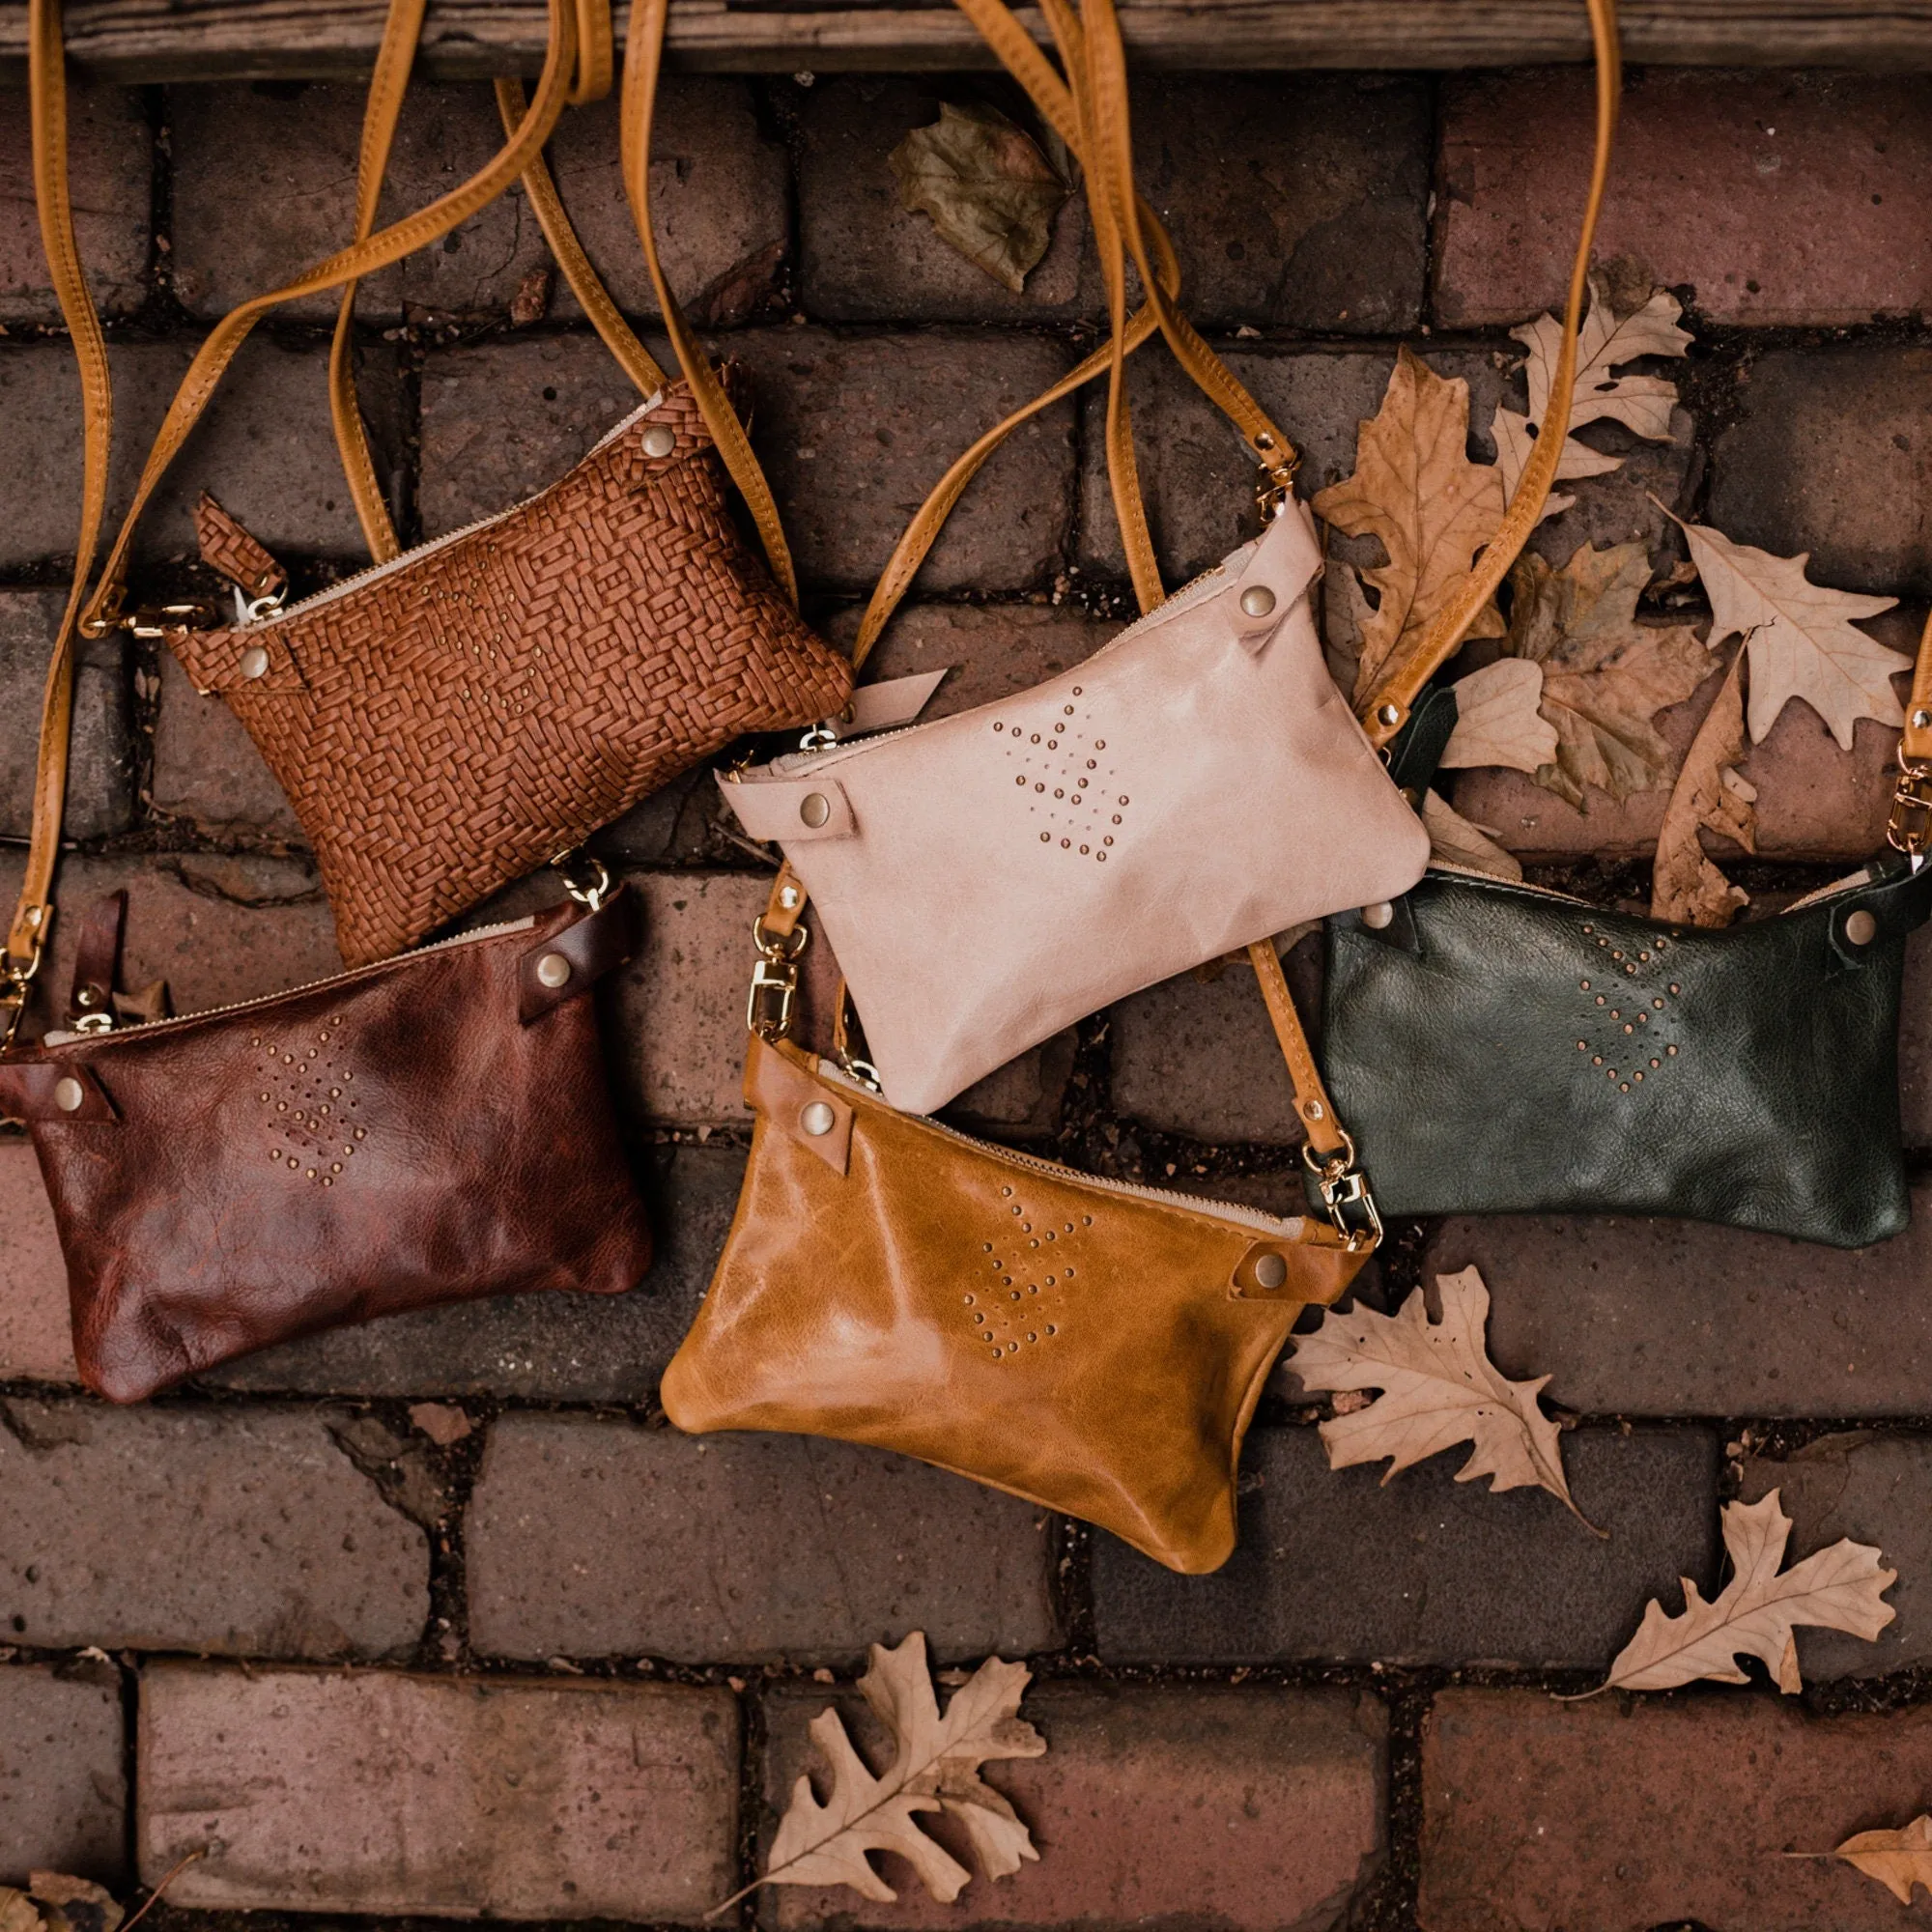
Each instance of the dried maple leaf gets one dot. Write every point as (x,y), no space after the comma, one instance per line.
(1514,443)
(1440,1388)
(1415,490)
(1684,884)
(1754,1615)
(1798,635)
(1898,1860)
(1605,675)
(1455,840)
(1498,719)
(935,1767)
(989,190)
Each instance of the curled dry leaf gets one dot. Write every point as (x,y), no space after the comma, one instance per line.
(1499,719)
(1440,1388)
(989,190)
(1898,1860)
(1455,840)
(54,1902)
(1685,885)
(935,1767)
(1605,675)
(1756,1613)
(1415,490)
(1798,635)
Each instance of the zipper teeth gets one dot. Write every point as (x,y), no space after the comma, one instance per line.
(795,762)
(307,987)
(362,579)
(1229,1210)
(1849,883)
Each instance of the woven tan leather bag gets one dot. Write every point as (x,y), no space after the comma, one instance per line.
(452,718)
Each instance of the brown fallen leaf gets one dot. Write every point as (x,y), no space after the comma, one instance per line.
(1346,612)
(531,302)
(935,1767)
(1499,719)
(1683,883)
(1798,635)
(986,185)
(1605,675)
(1456,840)
(1898,1860)
(1755,1613)
(1440,1388)
(1511,433)
(1414,489)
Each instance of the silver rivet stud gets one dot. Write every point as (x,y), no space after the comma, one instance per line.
(1861,929)
(1257,600)
(660,440)
(789,897)
(817,1118)
(1921,720)
(69,1095)
(552,971)
(815,809)
(1388,714)
(1378,917)
(254,661)
(1270,1270)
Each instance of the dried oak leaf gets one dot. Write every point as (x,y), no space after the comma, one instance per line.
(1798,635)
(1456,840)
(991,193)
(1415,490)
(935,1767)
(1685,885)
(1898,1860)
(1499,719)
(1605,675)
(1754,1615)
(1440,1388)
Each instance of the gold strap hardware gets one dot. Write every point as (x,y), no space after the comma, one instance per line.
(586,880)
(1274,487)
(1344,1189)
(16,977)
(1910,829)
(768,1011)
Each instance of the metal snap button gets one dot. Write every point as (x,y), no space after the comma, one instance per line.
(254,661)
(660,440)
(817,1118)
(552,971)
(69,1095)
(815,809)
(1270,1270)
(1388,714)
(1378,916)
(1921,718)
(1257,600)
(1861,929)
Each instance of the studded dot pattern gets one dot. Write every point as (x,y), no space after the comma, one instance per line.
(1627,1009)
(1075,796)
(311,1112)
(1027,1280)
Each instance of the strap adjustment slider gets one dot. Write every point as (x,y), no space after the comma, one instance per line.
(1910,829)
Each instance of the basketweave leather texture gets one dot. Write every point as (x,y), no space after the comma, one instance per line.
(448,722)
(1096,1348)
(1497,1049)
(1197,785)
(436,1129)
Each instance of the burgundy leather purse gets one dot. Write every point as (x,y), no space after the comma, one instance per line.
(433,1128)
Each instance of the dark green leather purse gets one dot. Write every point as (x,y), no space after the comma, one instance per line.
(1497,1048)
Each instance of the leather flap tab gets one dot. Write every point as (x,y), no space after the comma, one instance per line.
(242,661)
(1307,1262)
(64,1091)
(226,547)
(571,961)
(810,1113)
(898,700)
(1276,578)
(791,810)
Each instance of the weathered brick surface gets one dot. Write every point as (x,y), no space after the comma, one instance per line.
(63,1787)
(588,1538)
(207,772)
(1627,1813)
(246,1533)
(1775,198)
(100,767)
(1833,454)
(34,1335)
(264,448)
(264,185)
(110,164)
(505,419)
(1675,1318)
(384,1793)
(1255,1810)
(1874,1489)
(1333,1565)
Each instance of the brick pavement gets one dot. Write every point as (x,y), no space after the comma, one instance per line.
(438,1616)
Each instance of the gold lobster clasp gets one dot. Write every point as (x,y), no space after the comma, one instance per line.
(1910,829)
(1274,487)
(768,1011)
(1345,1194)
(16,979)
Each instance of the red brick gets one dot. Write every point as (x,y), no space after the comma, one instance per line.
(380,1792)
(590,1539)
(1777,198)
(208,773)
(110,163)
(63,1788)
(1626,1813)
(245,1533)
(1199,1804)
(101,757)
(264,183)
(35,1341)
